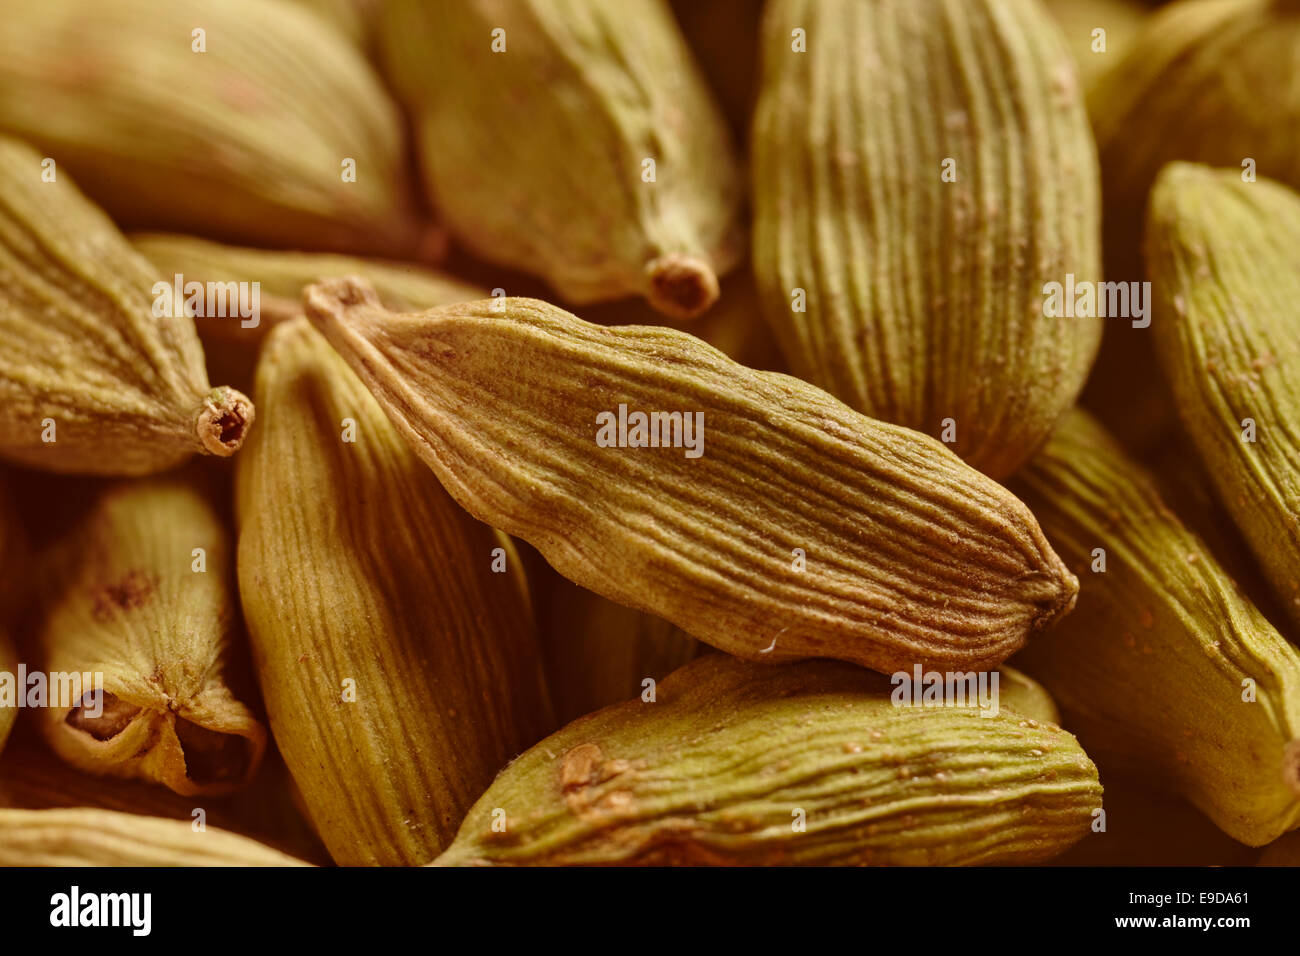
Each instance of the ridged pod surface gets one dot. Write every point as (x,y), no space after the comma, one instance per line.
(534,143)
(399,672)
(245,139)
(232,347)
(922,168)
(733,755)
(800,529)
(1224,261)
(143,592)
(87,837)
(90,380)
(1163,669)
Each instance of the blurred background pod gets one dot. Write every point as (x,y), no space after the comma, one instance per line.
(1098,32)
(400,672)
(141,594)
(94,379)
(1163,670)
(231,341)
(573,139)
(922,170)
(1199,82)
(246,120)
(13,560)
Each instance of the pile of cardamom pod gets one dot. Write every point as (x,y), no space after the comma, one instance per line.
(715,432)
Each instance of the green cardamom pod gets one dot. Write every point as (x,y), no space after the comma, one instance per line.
(91,380)
(802,764)
(139,601)
(243,119)
(400,672)
(1164,670)
(767,518)
(1224,260)
(923,169)
(573,139)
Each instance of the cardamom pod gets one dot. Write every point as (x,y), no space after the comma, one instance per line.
(1199,82)
(90,380)
(231,341)
(801,529)
(139,604)
(1164,669)
(807,763)
(399,672)
(280,132)
(12,548)
(8,667)
(88,837)
(529,111)
(1224,260)
(922,170)
(600,653)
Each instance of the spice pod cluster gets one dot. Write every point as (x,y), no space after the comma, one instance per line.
(708,432)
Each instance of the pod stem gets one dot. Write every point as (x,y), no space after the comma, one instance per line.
(681,286)
(223,421)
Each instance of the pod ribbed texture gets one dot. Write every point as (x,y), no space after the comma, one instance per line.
(1149,668)
(79,344)
(246,140)
(535,155)
(923,299)
(908,554)
(122,595)
(86,837)
(1224,261)
(354,565)
(720,768)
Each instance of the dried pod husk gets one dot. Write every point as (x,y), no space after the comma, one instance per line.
(1199,83)
(782,525)
(280,132)
(8,671)
(1283,852)
(1146,827)
(1224,260)
(1164,670)
(923,169)
(572,139)
(1019,692)
(1080,20)
(87,837)
(399,671)
(32,778)
(600,653)
(804,764)
(13,547)
(231,340)
(351,18)
(91,380)
(141,597)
